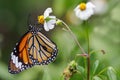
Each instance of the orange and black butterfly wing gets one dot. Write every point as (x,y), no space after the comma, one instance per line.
(19,59)
(41,50)
(33,49)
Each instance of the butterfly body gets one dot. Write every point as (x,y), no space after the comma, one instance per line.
(33,49)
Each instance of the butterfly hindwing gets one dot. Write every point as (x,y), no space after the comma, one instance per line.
(43,51)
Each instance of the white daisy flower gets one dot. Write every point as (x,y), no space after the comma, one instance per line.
(47,20)
(84,10)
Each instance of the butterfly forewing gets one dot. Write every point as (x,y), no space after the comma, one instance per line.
(33,49)
(19,59)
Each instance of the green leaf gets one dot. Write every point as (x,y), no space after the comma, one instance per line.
(76,76)
(111,74)
(81,69)
(95,66)
(96,78)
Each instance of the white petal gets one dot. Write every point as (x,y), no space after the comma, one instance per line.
(76,8)
(90,5)
(46,26)
(91,12)
(77,13)
(84,15)
(52,17)
(47,12)
(52,21)
(51,24)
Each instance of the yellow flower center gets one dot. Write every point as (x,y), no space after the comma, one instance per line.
(82,6)
(41,19)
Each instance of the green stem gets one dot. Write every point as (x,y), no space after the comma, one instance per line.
(88,58)
(88,41)
(82,50)
(88,68)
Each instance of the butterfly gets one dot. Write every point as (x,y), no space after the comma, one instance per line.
(34,48)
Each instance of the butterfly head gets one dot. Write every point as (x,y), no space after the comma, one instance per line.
(34,28)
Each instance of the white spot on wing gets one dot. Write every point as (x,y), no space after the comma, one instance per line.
(19,65)
(15,61)
(13,57)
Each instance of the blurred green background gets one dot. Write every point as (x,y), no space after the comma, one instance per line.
(104,34)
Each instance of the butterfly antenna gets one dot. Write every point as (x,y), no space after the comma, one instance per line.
(29,21)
